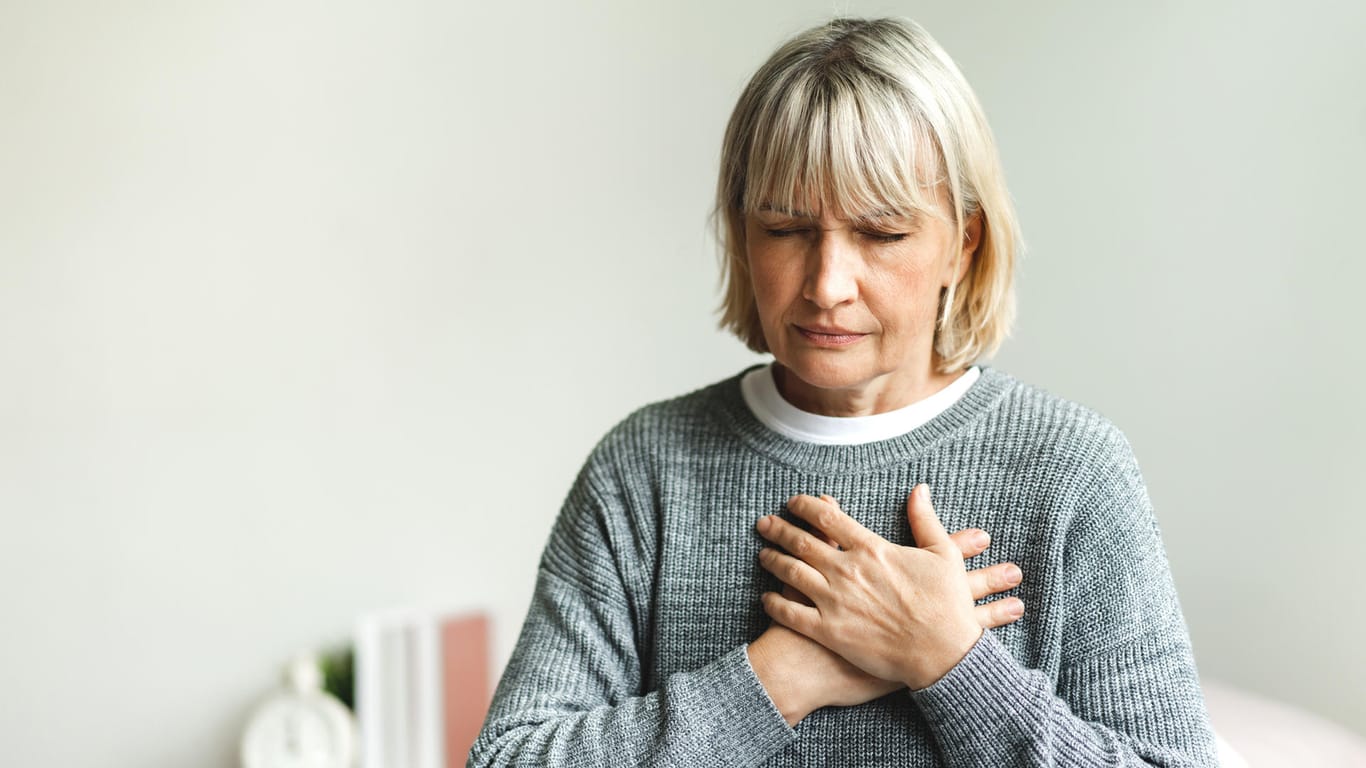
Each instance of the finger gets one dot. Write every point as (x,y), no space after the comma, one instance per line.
(794,573)
(791,593)
(925,526)
(992,580)
(824,515)
(971,541)
(828,541)
(999,613)
(798,543)
(793,615)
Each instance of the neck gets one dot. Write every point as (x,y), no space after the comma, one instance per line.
(883,394)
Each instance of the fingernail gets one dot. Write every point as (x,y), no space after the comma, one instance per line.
(981,539)
(1015,610)
(763,523)
(924,490)
(1013,574)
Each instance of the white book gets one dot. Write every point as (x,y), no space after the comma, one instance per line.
(368,698)
(428,742)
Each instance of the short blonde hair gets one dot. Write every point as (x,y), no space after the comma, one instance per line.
(871,115)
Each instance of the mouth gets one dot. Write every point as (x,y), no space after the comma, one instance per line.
(827,336)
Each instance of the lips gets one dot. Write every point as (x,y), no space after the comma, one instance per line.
(832,336)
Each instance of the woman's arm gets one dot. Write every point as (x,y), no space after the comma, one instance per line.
(571,697)
(572,693)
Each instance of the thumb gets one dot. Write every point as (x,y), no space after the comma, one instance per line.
(925,526)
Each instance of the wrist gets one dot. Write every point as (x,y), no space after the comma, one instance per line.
(944,661)
(789,691)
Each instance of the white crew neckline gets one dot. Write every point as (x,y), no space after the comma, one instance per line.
(761,395)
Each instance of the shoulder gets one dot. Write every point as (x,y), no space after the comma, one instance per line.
(1077,463)
(626,467)
(684,423)
(1046,426)
(613,505)
(1087,462)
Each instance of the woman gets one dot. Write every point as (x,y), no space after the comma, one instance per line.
(756,574)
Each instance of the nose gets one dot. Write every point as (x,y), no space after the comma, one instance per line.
(831,271)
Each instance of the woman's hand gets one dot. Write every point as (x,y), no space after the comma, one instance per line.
(898,613)
(802,675)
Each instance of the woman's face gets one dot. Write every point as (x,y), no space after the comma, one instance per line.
(848,306)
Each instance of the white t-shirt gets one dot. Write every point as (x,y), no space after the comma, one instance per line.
(761,395)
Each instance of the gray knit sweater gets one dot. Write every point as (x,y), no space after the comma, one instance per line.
(633,650)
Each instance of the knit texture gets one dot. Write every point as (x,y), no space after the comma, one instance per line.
(634,648)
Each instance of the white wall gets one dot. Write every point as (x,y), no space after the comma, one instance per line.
(309,308)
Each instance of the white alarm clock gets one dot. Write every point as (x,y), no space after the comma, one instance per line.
(302,726)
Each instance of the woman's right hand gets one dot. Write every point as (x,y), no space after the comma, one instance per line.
(801,675)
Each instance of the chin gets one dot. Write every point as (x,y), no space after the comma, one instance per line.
(827,373)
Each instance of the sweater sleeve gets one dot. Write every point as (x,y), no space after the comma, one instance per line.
(1127,693)
(572,693)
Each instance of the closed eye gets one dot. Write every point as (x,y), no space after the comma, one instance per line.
(783,232)
(885,237)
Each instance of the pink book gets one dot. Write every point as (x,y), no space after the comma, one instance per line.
(465,683)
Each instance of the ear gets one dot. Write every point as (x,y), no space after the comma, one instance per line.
(972,237)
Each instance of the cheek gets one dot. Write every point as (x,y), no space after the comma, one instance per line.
(907,300)
(771,283)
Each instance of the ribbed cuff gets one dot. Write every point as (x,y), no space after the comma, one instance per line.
(742,722)
(987,698)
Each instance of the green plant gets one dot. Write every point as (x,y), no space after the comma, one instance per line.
(338,668)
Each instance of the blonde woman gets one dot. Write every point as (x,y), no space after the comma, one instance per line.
(759,572)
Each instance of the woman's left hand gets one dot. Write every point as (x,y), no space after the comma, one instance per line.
(898,613)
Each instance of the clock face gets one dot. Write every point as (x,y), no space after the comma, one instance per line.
(293,731)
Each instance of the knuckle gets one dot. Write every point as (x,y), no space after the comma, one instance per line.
(772,604)
(883,560)
(825,519)
(977,585)
(1009,610)
(986,618)
(998,612)
(850,571)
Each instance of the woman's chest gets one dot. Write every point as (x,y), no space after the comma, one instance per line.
(706,586)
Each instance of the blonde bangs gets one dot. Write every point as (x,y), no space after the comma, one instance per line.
(841,142)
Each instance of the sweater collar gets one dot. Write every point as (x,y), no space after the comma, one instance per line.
(972,406)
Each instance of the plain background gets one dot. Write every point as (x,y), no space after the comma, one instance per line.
(314,308)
